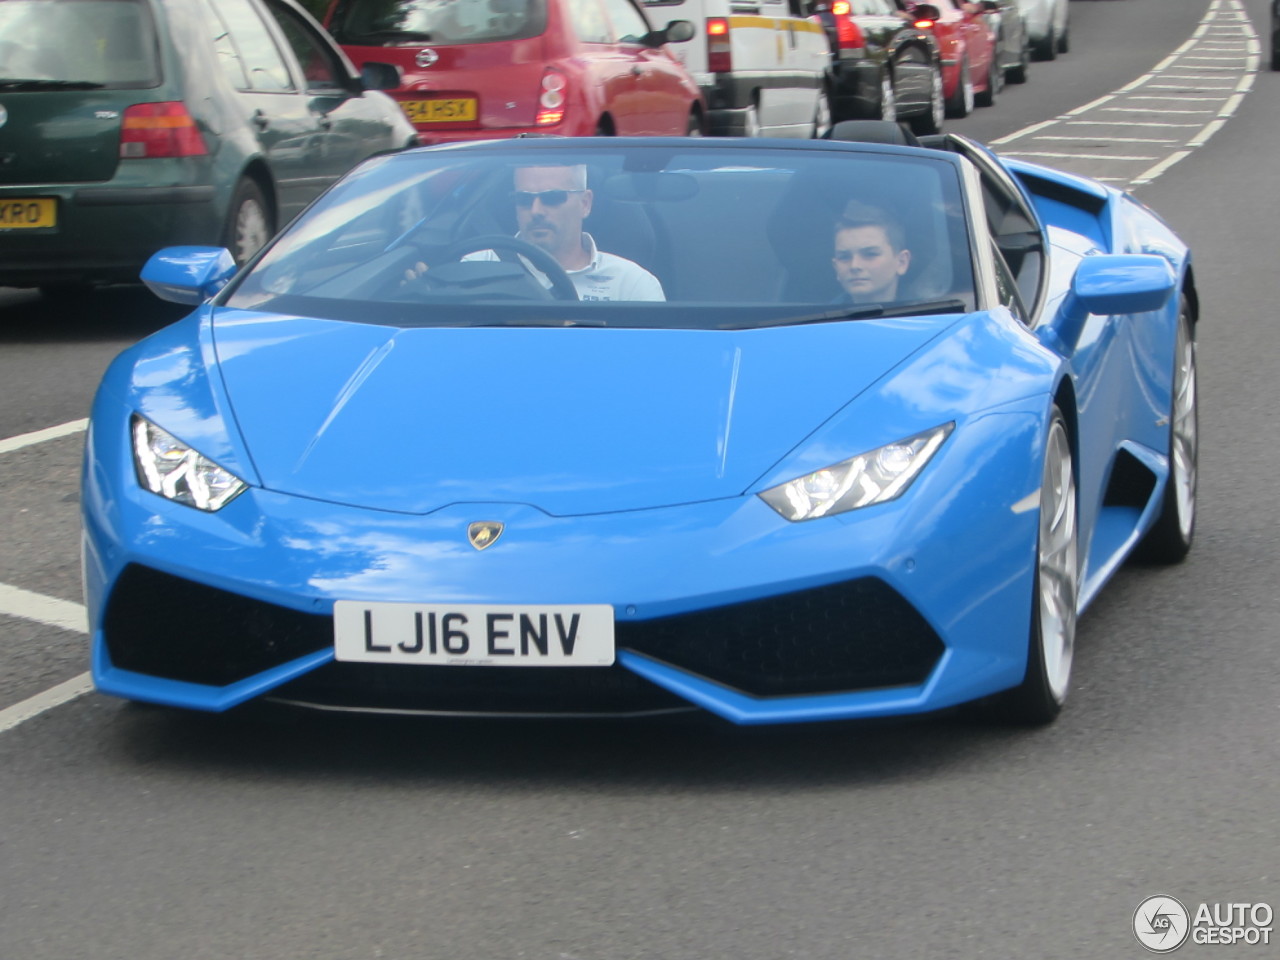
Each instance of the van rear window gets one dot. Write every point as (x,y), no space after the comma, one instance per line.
(387,23)
(103,43)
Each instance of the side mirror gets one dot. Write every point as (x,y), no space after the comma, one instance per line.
(188,275)
(380,76)
(1123,283)
(677,31)
(926,11)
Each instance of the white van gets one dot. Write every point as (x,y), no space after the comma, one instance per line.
(761,64)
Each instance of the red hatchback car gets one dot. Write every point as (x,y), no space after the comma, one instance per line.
(971,72)
(479,69)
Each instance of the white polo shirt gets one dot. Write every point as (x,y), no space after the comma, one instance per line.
(606,277)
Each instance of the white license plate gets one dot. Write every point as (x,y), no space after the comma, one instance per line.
(482,635)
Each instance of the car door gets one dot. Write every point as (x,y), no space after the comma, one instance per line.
(270,102)
(977,37)
(659,107)
(608,67)
(347,131)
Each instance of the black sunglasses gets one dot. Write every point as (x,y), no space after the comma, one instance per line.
(549,198)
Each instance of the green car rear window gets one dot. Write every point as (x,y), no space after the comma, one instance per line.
(394,22)
(107,43)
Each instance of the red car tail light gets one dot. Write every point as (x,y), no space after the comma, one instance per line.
(160,130)
(923,24)
(719,55)
(848,33)
(551,99)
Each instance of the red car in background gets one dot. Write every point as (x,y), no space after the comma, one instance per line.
(479,69)
(971,72)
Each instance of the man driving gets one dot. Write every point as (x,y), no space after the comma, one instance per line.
(551,205)
(870,254)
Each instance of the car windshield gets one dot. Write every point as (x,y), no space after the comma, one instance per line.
(391,22)
(652,233)
(57,44)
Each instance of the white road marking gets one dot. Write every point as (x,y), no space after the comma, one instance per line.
(1077,156)
(32,707)
(63,614)
(1217,65)
(24,604)
(1160,167)
(40,436)
(1110,139)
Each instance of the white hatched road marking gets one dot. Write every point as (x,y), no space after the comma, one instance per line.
(26,605)
(1219,63)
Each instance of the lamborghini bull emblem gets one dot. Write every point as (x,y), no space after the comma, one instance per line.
(484,533)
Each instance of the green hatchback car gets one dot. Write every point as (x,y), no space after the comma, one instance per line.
(131,125)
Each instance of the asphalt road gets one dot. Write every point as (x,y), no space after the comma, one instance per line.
(141,834)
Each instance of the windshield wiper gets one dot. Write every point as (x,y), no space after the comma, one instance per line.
(35,84)
(412,36)
(538,322)
(869,311)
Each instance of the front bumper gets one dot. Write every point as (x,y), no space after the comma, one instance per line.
(720,605)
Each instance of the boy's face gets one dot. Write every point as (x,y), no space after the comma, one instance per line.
(866,264)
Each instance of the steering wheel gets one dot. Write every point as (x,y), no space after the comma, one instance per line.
(510,249)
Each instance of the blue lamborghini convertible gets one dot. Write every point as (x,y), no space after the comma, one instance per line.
(784,431)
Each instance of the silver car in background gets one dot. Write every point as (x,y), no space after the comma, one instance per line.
(1047,27)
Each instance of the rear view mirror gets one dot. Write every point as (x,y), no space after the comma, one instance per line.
(677,31)
(380,76)
(188,275)
(1123,283)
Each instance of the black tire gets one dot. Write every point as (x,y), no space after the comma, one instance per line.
(987,98)
(960,103)
(1039,698)
(250,222)
(930,122)
(1046,49)
(821,116)
(1275,41)
(1064,41)
(1018,74)
(1169,539)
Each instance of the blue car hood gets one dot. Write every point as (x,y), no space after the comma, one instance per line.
(572,421)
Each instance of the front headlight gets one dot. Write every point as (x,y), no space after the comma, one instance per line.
(860,481)
(169,467)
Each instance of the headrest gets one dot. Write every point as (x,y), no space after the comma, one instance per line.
(873,131)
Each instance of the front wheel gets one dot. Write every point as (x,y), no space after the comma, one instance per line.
(960,103)
(930,122)
(249,222)
(1275,41)
(987,98)
(821,116)
(888,99)
(1051,645)
(1046,49)
(1018,74)
(1169,539)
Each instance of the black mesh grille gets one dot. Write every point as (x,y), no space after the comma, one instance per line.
(165,626)
(848,636)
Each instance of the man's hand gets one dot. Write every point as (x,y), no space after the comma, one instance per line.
(413,273)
